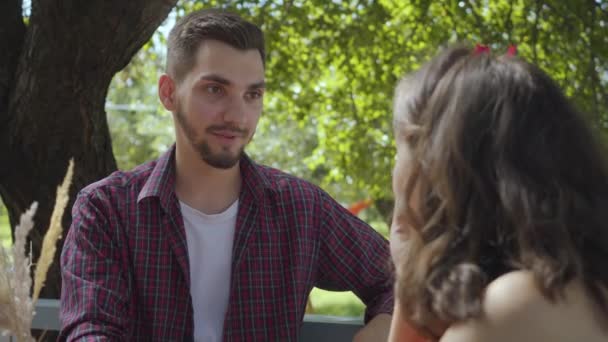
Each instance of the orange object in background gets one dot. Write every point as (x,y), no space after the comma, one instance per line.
(357,207)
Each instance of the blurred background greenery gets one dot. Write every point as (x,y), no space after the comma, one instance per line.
(5,231)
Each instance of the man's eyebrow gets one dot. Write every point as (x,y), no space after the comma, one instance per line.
(215,78)
(225,81)
(257,85)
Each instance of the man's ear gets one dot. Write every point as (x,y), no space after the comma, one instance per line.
(166,92)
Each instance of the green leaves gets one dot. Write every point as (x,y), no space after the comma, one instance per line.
(332,66)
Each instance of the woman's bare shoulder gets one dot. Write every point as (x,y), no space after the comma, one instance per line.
(514,309)
(513,294)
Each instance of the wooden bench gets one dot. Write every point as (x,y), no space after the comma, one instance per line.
(315,328)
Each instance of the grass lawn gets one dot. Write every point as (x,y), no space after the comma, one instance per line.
(5,231)
(335,303)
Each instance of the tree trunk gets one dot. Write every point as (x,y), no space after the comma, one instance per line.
(53,85)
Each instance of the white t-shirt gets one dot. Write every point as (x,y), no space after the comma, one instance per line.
(209,239)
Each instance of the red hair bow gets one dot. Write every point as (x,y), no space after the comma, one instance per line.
(480,48)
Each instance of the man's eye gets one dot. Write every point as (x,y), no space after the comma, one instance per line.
(254,95)
(214,89)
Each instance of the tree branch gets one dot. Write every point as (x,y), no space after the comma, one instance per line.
(509,22)
(99,26)
(12,33)
(96,39)
(593,75)
(567,16)
(537,12)
(475,10)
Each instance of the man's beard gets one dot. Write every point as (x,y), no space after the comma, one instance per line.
(221,160)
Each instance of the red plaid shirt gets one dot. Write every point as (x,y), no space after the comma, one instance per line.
(125,261)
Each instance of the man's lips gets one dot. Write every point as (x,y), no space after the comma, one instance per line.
(227,134)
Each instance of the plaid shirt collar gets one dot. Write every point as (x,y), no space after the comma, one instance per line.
(161,183)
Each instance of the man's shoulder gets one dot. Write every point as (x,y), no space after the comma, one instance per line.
(121,180)
(282,181)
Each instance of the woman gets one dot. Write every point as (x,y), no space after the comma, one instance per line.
(501,206)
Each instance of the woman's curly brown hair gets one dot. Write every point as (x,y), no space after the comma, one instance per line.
(508,176)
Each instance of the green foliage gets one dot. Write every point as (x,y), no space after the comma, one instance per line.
(331,69)
(337,304)
(5,228)
(140,127)
(332,66)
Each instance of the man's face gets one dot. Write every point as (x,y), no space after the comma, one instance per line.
(219,102)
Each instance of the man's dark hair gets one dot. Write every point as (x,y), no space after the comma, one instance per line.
(211,24)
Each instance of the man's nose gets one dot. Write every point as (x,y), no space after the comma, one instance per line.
(236,110)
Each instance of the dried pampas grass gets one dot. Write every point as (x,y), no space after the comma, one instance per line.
(53,233)
(6,304)
(20,281)
(16,305)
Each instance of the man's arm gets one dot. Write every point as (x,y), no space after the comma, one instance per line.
(354,257)
(94,294)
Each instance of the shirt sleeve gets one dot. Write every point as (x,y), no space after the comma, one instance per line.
(354,257)
(94,295)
